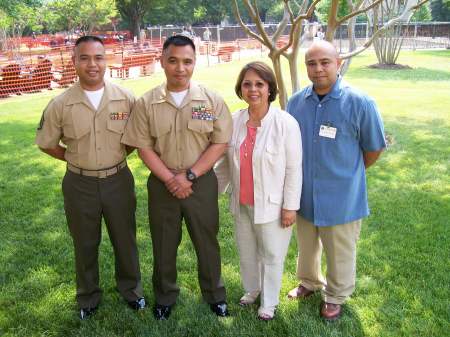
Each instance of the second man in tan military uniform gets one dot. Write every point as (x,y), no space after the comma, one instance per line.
(180,129)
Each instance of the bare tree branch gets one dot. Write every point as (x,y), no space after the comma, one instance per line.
(289,10)
(308,13)
(295,24)
(283,23)
(362,10)
(420,4)
(409,8)
(296,28)
(345,65)
(254,14)
(247,30)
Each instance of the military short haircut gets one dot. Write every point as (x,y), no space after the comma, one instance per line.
(88,38)
(179,41)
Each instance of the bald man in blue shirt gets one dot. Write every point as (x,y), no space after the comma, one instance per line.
(342,135)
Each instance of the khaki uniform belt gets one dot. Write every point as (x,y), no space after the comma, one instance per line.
(104,173)
(177,171)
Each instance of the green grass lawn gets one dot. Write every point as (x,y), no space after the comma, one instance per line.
(403,261)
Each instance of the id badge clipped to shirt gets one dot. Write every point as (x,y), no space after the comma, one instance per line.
(327,131)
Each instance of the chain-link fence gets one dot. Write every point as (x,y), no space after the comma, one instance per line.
(418,35)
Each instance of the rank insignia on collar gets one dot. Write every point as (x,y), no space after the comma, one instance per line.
(119,116)
(203,113)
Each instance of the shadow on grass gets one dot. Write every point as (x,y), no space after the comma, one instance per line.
(417,74)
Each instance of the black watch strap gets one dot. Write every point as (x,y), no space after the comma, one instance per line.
(190,175)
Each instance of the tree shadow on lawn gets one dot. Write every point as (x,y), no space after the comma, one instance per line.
(401,270)
(415,74)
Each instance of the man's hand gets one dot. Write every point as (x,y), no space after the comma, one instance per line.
(371,157)
(287,217)
(179,186)
(56,152)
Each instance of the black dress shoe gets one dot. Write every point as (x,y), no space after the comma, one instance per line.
(162,312)
(137,305)
(220,309)
(86,312)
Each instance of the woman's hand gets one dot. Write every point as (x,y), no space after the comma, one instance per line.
(287,217)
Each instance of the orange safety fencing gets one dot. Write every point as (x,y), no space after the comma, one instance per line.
(59,40)
(45,68)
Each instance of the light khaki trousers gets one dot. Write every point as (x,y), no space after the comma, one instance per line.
(339,245)
(262,250)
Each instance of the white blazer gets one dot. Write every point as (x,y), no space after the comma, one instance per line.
(277,164)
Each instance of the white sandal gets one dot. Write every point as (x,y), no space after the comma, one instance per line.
(248,298)
(266,314)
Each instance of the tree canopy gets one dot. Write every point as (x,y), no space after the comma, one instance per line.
(440,10)
(49,16)
(133,11)
(57,15)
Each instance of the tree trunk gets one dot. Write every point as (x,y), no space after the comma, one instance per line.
(293,57)
(351,38)
(388,45)
(282,94)
(332,23)
(137,26)
(3,39)
(293,69)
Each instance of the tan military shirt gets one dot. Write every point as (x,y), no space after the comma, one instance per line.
(92,137)
(179,135)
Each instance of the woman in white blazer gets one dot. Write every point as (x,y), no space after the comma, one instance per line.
(262,167)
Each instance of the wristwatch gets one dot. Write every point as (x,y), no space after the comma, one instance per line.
(190,175)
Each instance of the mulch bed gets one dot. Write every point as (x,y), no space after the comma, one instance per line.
(389,66)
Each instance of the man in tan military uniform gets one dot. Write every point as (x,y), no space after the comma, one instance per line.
(89,119)
(180,129)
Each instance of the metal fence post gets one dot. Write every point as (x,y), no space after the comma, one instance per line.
(415,36)
(218,43)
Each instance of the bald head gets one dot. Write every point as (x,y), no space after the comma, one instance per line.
(322,64)
(322,47)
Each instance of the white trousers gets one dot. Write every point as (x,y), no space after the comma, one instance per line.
(262,249)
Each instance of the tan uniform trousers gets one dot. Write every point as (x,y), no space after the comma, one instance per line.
(339,244)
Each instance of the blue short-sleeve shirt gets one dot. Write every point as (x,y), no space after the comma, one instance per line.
(334,180)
